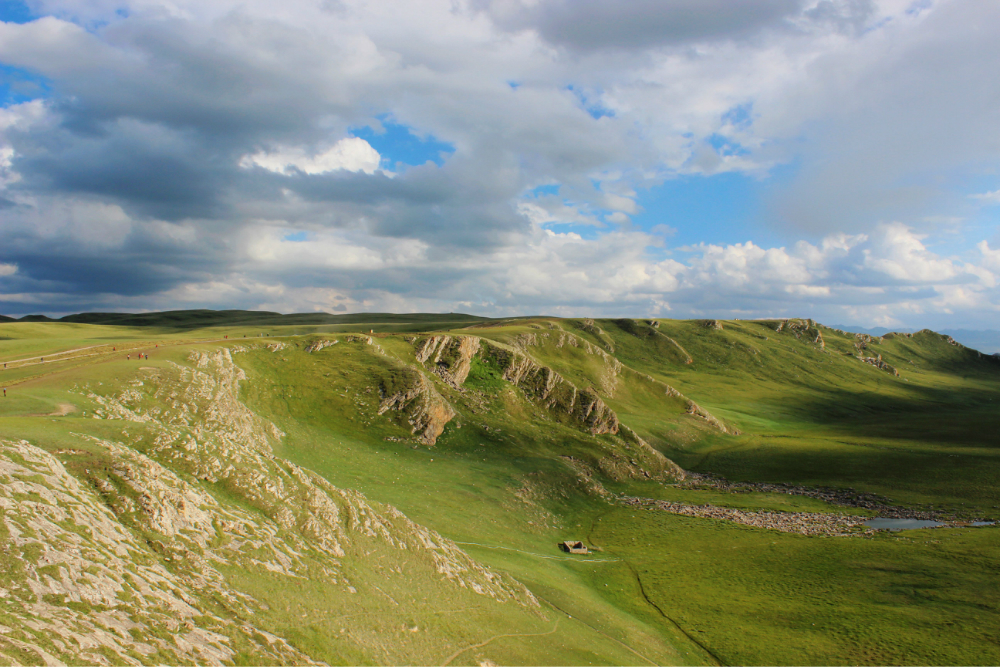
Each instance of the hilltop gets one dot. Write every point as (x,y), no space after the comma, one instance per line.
(198,319)
(384,488)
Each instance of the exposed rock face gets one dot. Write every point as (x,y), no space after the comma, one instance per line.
(89,588)
(547,387)
(204,430)
(864,340)
(130,559)
(662,467)
(426,410)
(799,328)
(696,410)
(877,362)
(608,380)
(320,345)
(713,324)
(590,326)
(451,356)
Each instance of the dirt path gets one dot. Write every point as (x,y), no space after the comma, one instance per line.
(659,610)
(494,637)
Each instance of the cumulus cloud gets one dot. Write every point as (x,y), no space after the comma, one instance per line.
(208,151)
(349,154)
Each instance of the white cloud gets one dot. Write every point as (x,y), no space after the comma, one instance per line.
(8,269)
(166,155)
(988,197)
(348,154)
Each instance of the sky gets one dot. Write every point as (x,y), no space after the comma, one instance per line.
(833,159)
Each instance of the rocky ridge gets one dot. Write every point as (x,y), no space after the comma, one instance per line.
(89,588)
(135,548)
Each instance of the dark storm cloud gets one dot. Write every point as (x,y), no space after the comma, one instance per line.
(151,172)
(586,25)
(138,263)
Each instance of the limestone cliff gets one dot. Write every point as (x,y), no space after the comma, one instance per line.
(411,393)
(452,357)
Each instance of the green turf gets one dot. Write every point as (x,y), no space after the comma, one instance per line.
(502,479)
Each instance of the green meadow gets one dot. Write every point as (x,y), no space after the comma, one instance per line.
(511,475)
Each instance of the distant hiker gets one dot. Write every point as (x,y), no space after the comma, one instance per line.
(5,392)
(128,356)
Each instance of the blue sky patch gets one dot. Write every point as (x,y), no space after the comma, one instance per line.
(591,103)
(740,115)
(719,209)
(725,146)
(15,11)
(297,237)
(398,144)
(543,190)
(19,85)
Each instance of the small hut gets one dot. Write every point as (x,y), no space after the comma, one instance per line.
(573,547)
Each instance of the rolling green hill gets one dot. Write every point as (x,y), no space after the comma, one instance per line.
(380,488)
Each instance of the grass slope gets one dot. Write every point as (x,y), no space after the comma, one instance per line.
(508,478)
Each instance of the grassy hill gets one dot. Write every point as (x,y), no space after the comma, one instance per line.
(382,488)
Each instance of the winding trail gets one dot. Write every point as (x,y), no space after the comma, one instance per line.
(597,630)
(642,591)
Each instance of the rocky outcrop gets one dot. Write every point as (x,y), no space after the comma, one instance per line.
(590,326)
(451,356)
(411,393)
(712,324)
(547,387)
(321,344)
(877,362)
(699,412)
(648,457)
(452,359)
(87,589)
(202,429)
(863,340)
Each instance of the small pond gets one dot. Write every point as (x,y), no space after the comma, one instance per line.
(982,523)
(901,524)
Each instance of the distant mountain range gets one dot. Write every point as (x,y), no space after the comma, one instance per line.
(986,341)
